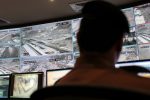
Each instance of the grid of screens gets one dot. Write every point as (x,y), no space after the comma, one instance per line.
(55,75)
(4,85)
(53,45)
(23,85)
(136,44)
(37,48)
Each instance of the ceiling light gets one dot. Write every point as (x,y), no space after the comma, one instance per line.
(51,0)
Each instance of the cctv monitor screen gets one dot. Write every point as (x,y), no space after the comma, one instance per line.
(4,86)
(47,46)
(55,75)
(24,84)
(136,44)
(47,39)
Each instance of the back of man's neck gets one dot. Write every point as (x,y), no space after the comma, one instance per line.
(96,60)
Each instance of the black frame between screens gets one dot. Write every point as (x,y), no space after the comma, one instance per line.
(136,3)
(40,81)
(53,70)
(8,85)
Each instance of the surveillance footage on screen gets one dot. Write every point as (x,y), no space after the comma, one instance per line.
(75,29)
(139,36)
(144,51)
(4,86)
(9,51)
(130,38)
(130,16)
(53,46)
(24,85)
(142,14)
(42,64)
(143,34)
(8,66)
(46,39)
(10,36)
(128,53)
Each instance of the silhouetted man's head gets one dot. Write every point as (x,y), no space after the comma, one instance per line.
(102,25)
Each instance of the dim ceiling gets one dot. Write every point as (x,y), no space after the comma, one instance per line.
(17,12)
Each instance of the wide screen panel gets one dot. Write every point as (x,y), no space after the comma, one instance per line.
(55,75)
(10,36)
(136,44)
(24,84)
(46,39)
(4,86)
(38,64)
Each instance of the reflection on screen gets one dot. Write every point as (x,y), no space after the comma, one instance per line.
(53,76)
(4,86)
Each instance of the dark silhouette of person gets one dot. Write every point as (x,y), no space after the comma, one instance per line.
(100,40)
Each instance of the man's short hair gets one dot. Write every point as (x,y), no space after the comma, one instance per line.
(102,25)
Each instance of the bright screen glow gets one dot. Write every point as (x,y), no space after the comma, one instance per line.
(53,76)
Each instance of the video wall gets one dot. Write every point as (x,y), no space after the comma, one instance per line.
(38,48)
(52,46)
